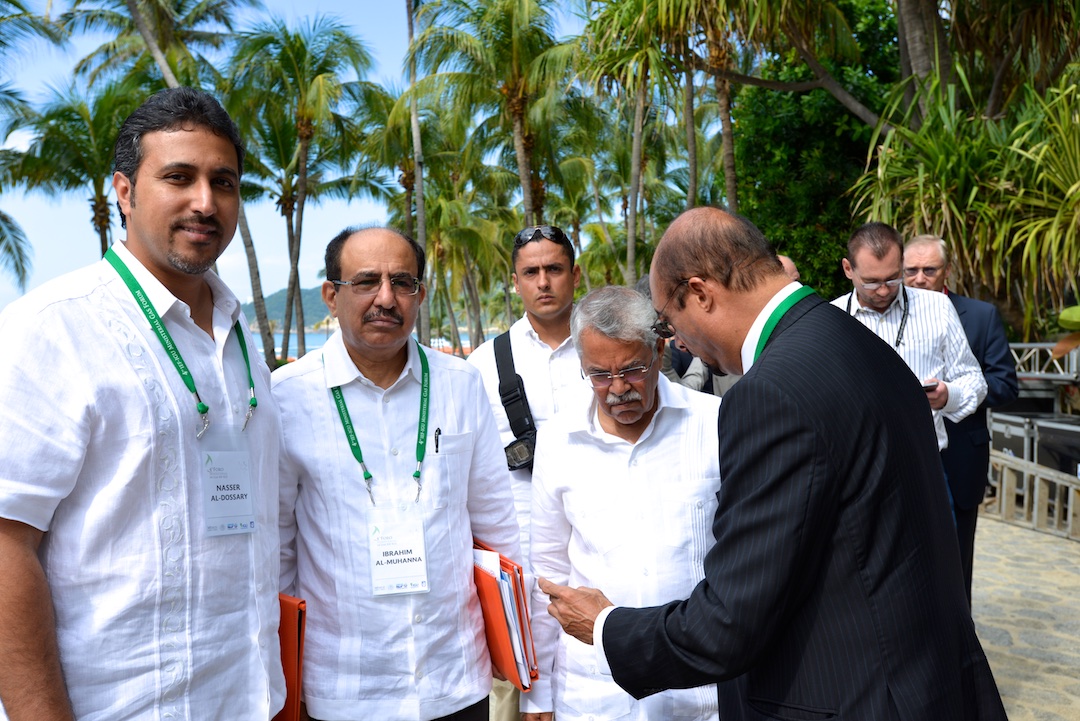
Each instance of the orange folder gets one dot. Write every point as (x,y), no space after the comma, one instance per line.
(506,621)
(291,633)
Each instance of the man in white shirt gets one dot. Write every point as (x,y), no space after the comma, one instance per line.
(391,466)
(545,277)
(624,494)
(138,456)
(922,326)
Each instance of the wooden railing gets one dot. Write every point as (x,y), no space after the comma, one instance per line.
(1034,496)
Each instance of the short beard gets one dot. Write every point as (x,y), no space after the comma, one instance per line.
(190,267)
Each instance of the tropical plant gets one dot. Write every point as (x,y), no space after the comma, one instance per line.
(71,147)
(301,75)
(486,52)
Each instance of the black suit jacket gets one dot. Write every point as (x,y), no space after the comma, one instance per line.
(834,590)
(968,455)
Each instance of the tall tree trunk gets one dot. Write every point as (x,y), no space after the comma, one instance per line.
(727,144)
(424,331)
(691,139)
(635,182)
(101,213)
(151,44)
(301,199)
(472,296)
(290,292)
(524,169)
(509,303)
(265,331)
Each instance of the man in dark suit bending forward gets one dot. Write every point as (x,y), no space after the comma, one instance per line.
(833,590)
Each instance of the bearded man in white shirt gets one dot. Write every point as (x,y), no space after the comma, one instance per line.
(624,495)
(141,588)
(391,466)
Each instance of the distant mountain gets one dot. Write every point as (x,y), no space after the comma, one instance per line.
(314,308)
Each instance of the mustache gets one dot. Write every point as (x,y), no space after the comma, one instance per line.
(616,400)
(383,313)
(197,220)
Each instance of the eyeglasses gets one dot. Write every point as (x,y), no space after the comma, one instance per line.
(400,285)
(604,379)
(662,327)
(929,271)
(550,232)
(892,283)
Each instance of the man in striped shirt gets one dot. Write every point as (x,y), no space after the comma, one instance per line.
(922,326)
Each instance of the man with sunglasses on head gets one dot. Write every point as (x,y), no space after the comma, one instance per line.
(391,466)
(967,457)
(623,496)
(542,350)
(921,326)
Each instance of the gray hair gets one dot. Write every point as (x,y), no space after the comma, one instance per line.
(615,312)
(932,240)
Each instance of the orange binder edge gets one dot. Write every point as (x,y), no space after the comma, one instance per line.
(495,627)
(291,633)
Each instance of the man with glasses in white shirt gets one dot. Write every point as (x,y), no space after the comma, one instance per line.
(624,494)
(391,466)
(920,325)
(138,456)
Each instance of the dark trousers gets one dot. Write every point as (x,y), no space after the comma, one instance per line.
(477,712)
(965,533)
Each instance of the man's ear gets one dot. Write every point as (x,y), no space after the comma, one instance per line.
(123,187)
(513,277)
(849,270)
(329,296)
(699,292)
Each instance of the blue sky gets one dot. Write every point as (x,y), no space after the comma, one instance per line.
(59,228)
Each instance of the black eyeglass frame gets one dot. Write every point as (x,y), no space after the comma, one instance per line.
(662,327)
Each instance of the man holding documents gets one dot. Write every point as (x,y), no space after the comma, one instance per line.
(391,465)
(623,499)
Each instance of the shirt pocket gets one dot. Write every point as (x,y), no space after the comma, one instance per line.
(450,483)
(687,527)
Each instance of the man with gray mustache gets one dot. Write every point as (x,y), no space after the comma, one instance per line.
(623,496)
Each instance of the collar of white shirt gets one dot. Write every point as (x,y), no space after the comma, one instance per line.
(749,346)
(340,369)
(162,298)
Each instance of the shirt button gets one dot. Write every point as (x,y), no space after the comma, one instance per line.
(700,504)
(385,401)
(419,675)
(393,451)
(645,572)
(417,618)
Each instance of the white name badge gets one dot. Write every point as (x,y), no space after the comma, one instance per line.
(398,553)
(227,487)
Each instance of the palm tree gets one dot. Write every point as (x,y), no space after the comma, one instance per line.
(72,147)
(301,74)
(486,52)
(418,168)
(630,55)
(173,33)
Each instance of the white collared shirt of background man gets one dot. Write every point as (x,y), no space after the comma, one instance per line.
(632,519)
(933,345)
(417,656)
(99,450)
(553,382)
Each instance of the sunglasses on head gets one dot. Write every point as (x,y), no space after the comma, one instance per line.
(531,233)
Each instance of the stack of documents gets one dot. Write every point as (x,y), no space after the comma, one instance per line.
(500,584)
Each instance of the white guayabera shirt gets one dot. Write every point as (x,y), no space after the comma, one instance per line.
(155,619)
(635,521)
(415,655)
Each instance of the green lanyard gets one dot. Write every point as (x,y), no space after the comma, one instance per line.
(421,434)
(777,314)
(170,347)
